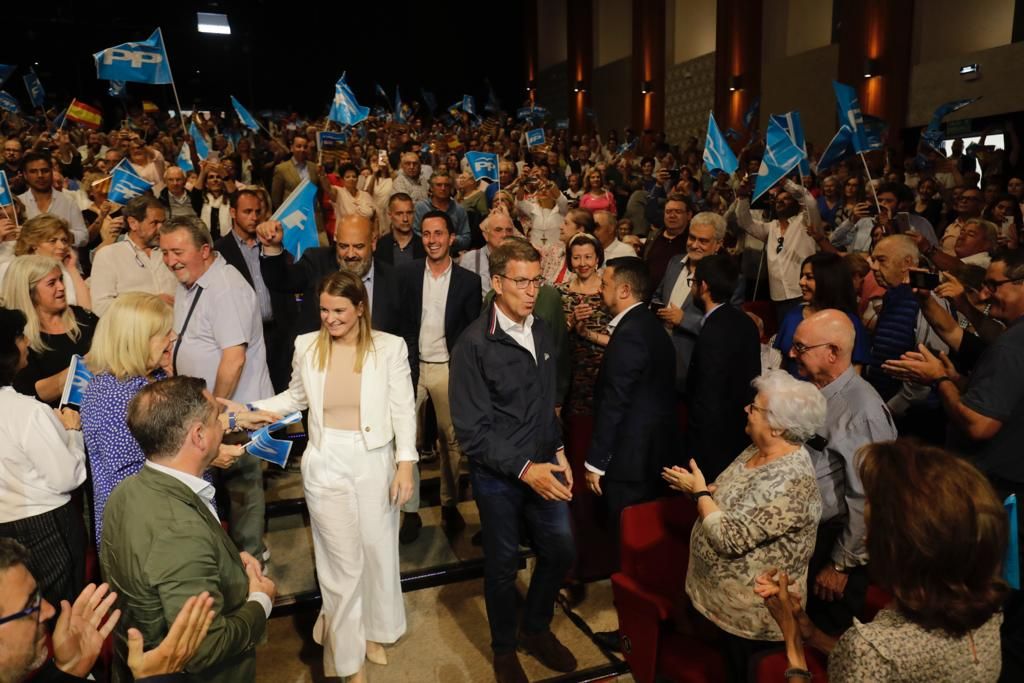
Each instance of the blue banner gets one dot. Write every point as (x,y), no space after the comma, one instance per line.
(202,147)
(483,165)
(6,71)
(244,116)
(874,131)
(36,94)
(851,115)
(266,447)
(469,104)
(330,138)
(838,149)
(780,157)
(125,185)
(78,379)
(8,102)
(718,156)
(5,190)
(298,218)
(117,88)
(790,123)
(535,137)
(399,112)
(184,160)
(344,109)
(751,113)
(136,62)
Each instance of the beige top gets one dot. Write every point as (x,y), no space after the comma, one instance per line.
(341,390)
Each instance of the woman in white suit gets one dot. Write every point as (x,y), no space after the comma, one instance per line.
(357,471)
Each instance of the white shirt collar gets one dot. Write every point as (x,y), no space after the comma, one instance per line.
(622,314)
(506,323)
(197,485)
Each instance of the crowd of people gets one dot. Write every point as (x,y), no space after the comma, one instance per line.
(831,371)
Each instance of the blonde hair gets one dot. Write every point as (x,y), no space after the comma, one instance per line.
(37,230)
(19,292)
(349,286)
(120,346)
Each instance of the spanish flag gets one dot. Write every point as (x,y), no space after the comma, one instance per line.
(149,107)
(82,113)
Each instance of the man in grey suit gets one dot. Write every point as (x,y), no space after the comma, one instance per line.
(672,300)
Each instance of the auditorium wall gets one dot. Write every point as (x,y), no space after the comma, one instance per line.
(551,33)
(689,96)
(609,96)
(613,31)
(552,86)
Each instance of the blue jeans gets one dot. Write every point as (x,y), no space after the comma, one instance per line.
(503,502)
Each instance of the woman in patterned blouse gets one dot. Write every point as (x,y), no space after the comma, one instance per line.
(936,535)
(762,512)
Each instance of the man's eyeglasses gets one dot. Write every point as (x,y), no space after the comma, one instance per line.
(993,285)
(801,349)
(523,283)
(37,601)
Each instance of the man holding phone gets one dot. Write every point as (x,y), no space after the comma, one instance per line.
(855,235)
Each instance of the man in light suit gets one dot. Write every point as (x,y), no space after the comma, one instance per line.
(163,541)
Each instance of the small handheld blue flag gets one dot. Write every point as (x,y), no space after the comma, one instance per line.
(266,447)
(125,185)
(344,109)
(790,122)
(469,104)
(36,94)
(626,146)
(1011,566)
(298,217)
(780,157)
(326,139)
(202,147)
(117,88)
(838,149)
(5,190)
(8,102)
(137,62)
(78,379)
(244,116)
(184,160)
(483,165)
(718,156)
(932,135)
(399,113)
(535,137)
(6,71)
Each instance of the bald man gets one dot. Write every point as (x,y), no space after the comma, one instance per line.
(179,199)
(857,415)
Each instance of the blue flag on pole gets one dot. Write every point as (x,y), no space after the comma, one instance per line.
(36,94)
(202,148)
(266,447)
(244,116)
(851,115)
(469,104)
(399,112)
(535,137)
(117,88)
(874,131)
(932,135)
(718,156)
(136,62)
(125,185)
(344,109)
(78,379)
(5,190)
(58,120)
(6,71)
(298,216)
(790,123)
(523,113)
(429,100)
(8,102)
(838,149)
(184,160)
(1011,566)
(483,165)
(780,157)
(330,138)
(748,116)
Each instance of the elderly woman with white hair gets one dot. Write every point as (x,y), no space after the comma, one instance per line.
(761,512)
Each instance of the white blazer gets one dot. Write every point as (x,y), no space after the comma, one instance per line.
(387,408)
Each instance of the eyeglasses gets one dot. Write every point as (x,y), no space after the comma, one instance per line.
(751,407)
(523,283)
(37,601)
(778,247)
(801,349)
(993,285)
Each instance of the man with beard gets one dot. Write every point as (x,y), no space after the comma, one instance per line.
(353,251)
(42,198)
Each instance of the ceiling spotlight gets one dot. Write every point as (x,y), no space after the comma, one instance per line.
(208,22)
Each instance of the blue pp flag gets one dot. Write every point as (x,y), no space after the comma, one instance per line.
(344,109)
(932,135)
(469,104)
(562,124)
(1011,566)
(851,115)
(535,137)
(5,190)
(78,379)
(8,102)
(330,138)
(399,112)
(790,123)
(184,160)
(874,131)
(297,215)
(244,116)
(202,148)
(117,88)
(838,149)
(125,185)
(429,100)
(6,71)
(524,113)
(265,447)
(136,62)
(718,156)
(483,165)
(780,157)
(748,116)
(36,94)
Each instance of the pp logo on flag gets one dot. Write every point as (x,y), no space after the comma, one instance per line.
(126,190)
(295,219)
(483,166)
(137,59)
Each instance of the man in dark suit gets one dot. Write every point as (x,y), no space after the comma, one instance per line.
(400,246)
(725,361)
(440,299)
(353,251)
(241,248)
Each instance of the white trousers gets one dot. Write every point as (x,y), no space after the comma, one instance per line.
(355,540)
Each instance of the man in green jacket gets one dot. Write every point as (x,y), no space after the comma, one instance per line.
(162,539)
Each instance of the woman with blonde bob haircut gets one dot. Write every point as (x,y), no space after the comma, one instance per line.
(48,235)
(357,471)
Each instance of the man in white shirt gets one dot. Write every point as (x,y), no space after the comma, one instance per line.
(135,264)
(605,227)
(414,177)
(496,228)
(41,197)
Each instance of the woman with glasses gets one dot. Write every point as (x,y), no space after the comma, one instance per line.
(762,511)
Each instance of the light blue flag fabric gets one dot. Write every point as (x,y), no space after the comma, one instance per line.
(851,115)
(117,88)
(626,146)
(36,94)
(6,71)
(135,62)
(125,186)
(780,157)
(344,109)
(244,116)
(535,137)
(298,216)
(202,147)
(718,156)
(399,112)
(1011,567)
(751,113)
(5,190)
(790,123)
(78,379)
(874,131)
(184,160)
(265,447)
(483,165)
(838,149)
(330,138)
(932,135)
(469,104)
(8,102)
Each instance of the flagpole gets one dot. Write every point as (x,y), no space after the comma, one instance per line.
(174,88)
(870,183)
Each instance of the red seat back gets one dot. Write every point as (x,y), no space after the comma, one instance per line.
(765,310)
(656,543)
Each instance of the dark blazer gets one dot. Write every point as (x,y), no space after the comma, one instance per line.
(385,249)
(725,361)
(304,278)
(195,196)
(635,425)
(461,307)
(282,303)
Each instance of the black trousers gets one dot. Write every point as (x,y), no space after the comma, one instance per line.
(56,541)
(834,617)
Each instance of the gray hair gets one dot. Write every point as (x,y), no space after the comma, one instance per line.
(795,408)
(194,226)
(714,220)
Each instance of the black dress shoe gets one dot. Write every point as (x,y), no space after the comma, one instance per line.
(410,530)
(548,651)
(452,519)
(609,640)
(507,669)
